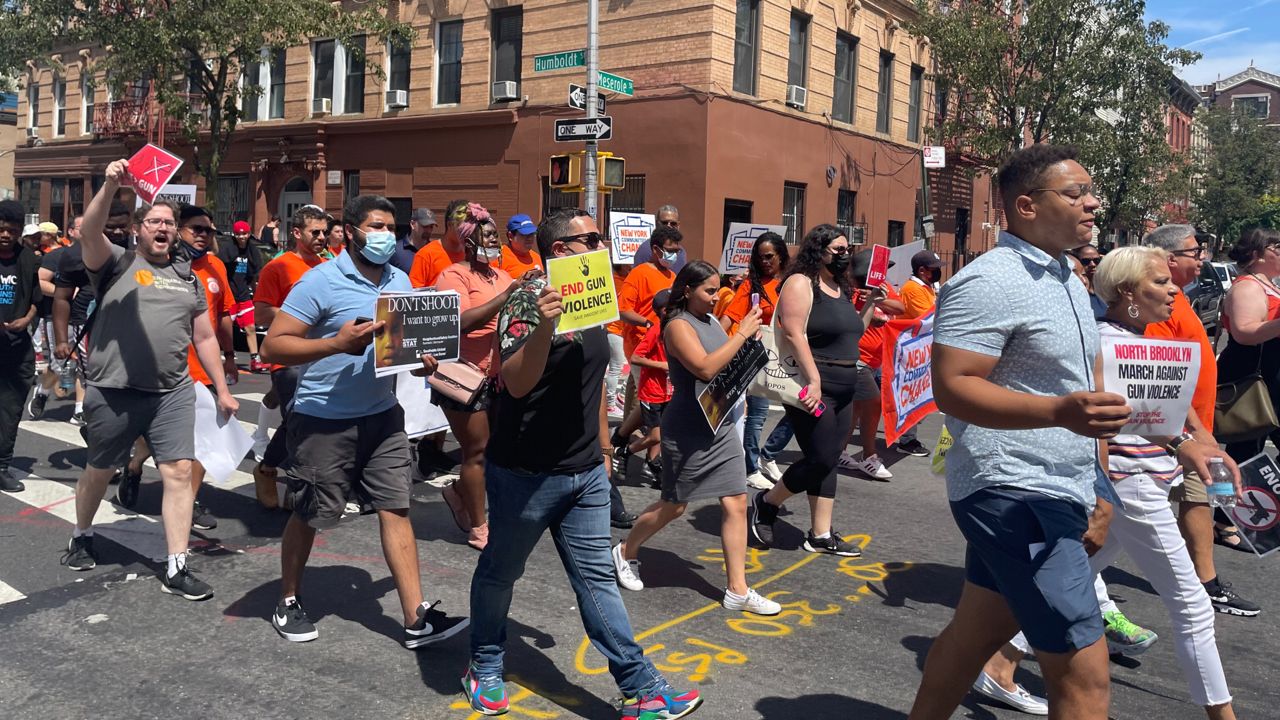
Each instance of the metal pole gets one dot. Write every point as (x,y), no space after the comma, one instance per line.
(593,68)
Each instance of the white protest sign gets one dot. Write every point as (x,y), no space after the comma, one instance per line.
(421,416)
(900,258)
(735,259)
(1157,377)
(629,231)
(221,443)
(176,193)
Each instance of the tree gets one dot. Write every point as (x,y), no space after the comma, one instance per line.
(1092,73)
(201,46)
(1238,174)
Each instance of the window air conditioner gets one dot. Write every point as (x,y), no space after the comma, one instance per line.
(797,96)
(33,132)
(322,106)
(397,99)
(505,90)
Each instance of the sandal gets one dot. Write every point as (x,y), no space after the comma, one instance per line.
(460,515)
(1227,536)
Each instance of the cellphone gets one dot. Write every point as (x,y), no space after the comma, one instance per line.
(360,320)
(755,300)
(817,411)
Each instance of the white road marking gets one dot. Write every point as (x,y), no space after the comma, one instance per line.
(8,593)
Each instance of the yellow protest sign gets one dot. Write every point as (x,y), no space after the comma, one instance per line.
(585,282)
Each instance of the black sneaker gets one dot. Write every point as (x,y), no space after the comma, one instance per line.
(432,627)
(77,419)
(79,554)
(9,483)
(1227,601)
(127,490)
(621,456)
(913,447)
(35,406)
(292,623)
(201,518)
(761,518)
(623,520)
(833,545)
(185,584)
(655,472)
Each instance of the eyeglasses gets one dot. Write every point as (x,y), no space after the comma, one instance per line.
(1073,194)
(317,233)
(591,239)
(1089,261)
(669,223)
(1193,253)
(154,223)
(201,229)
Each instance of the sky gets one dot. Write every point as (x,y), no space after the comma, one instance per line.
(1228,33)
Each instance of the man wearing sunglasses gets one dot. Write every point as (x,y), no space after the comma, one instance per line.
(1089,258)
(668,216)
(544,471)
(277,278)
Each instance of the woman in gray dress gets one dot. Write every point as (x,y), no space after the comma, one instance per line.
(698,463)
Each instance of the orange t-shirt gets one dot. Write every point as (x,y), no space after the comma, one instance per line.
(278,277)
(514,266)
(212,275)
(871,345)
(917,298)
(1184,324)
(478,347)
(723,296)
(740,305)
(430,261)
(642,284)
(617,327)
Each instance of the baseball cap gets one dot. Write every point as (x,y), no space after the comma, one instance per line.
(48,227)
(925,258)
(522,224)
(31,229)
(424,216)
(239,226)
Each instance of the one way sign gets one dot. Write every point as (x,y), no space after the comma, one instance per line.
(578,98)
(577,129)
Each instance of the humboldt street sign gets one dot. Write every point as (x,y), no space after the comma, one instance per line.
(600,128)
(616,83)
(578,98)
(560,60)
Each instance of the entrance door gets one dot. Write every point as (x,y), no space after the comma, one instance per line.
(297,192)
(735,211)
(962,240)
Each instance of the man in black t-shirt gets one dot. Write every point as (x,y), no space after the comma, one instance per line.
(59,368)
(19,299)
(544,471)
(244,262)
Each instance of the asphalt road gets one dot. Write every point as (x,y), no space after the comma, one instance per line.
(849,645)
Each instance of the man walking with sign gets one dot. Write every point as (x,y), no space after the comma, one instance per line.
(346,428)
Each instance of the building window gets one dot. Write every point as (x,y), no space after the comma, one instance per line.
(897,232)
(746,37)
(846,77)
(1258,106)
(507,29)
(942,102)
(59,106)
(553,198)
(251,94)
(351,184)
(29,195)
(449,62)
(846,212)
(399,52)
(914,102)
(75,196)
(275,107)
(354,77)
(265,77)
(793,211)
(33,105)
(884,108)
(630,198)
(322,53)
(88,94)
(58,201)
(798,49)
(233,200)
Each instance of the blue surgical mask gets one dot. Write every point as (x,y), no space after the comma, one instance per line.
(379,246)
(669,258)
(193,253)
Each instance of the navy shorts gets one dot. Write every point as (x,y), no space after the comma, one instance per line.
(1027,547)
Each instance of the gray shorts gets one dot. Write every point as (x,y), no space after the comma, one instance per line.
(331,457)
(114,418)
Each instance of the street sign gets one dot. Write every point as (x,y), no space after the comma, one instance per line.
(616,83)
(560,60)
(577,129)
(578,99)
(935,157)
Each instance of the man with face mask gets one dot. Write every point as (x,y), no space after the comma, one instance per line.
(274,283)
(347,429)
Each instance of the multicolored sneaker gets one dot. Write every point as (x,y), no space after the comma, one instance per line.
(486,693)
(662,703)
(1124,637)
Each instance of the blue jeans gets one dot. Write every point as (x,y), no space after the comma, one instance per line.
(778,439)
(757,413)
(522,506)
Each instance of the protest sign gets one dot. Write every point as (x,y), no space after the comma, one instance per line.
(735,258)
(906,383)
(175,193)
(628,231)
(879,270)
(1258,516)
(421,416)
(585,284)
(728,386)
(901,258)
(417,323)
(150,169)
(221,442)
(1157,377)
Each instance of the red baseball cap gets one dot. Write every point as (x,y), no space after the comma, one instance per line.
(240,226)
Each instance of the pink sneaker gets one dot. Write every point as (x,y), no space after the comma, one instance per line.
(478,538)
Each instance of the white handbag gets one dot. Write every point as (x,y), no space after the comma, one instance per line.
(781,378)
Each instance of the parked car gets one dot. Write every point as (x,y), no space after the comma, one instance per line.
(1206,296)
(1226,272)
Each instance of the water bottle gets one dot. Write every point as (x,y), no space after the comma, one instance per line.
(1222,492)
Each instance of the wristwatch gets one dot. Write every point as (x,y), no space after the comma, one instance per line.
(1174,444)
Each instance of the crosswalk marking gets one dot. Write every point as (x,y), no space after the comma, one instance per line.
(142,534)
(250,396)
(9,594)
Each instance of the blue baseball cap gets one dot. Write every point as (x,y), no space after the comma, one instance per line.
(522,224)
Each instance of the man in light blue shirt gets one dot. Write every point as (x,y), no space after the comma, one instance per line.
(346,429)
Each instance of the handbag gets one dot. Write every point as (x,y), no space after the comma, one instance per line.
(1243,409)
(458,380)
(780,379)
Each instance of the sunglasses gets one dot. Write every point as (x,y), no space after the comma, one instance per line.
(201,229)
(591,239)
(1089,261)
(670,223)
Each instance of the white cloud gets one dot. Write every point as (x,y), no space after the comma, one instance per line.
(1258,4)
(1215,38)
(1215,66)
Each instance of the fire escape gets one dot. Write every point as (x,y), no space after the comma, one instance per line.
(140,114)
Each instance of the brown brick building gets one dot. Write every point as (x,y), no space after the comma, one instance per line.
(779,111)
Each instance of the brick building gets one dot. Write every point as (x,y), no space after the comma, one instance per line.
(1253,91)
(715,125)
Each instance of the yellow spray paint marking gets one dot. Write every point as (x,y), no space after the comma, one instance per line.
(754,563)
(695,666)
(580,657)
(514,703)
(773,626)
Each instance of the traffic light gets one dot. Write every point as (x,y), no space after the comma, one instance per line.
(565,171)
(611,172)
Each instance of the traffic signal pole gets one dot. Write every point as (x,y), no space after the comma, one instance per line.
(589,180)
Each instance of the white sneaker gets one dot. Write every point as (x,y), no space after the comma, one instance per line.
(615,412)
(1019,699)
(628,571)
(847,461)
(873,468)
(752,602)
(770,470)
(758,481)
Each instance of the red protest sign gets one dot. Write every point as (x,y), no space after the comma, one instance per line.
(879,269)
(150,169)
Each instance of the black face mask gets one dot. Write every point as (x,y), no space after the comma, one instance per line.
(121,240)
(839,264)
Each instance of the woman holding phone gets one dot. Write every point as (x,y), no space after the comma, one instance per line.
(817,317)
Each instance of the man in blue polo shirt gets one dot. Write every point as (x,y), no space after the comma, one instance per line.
(346,428)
